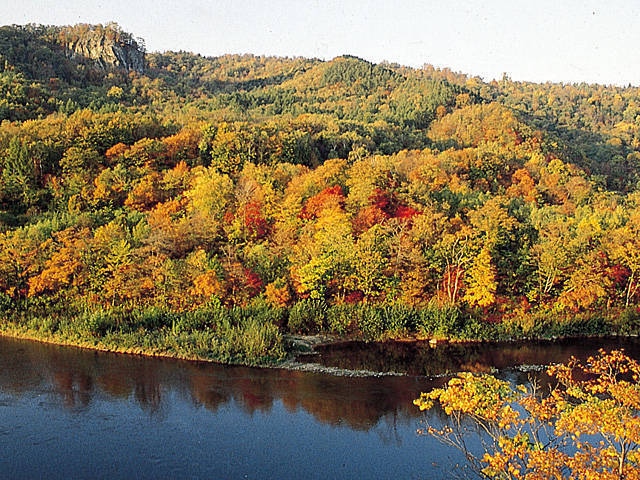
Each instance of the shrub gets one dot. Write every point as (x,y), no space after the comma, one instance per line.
(190,321)
(151,318)
(6,302)
(628,322)
(587,324)
(50,324)
(399,318)
(340,318)
(438,320)
(370,321)
(475,329)
(260,311)
(213,315)
(307,316)
(98,323)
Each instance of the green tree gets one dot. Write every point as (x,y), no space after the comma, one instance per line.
(18,174)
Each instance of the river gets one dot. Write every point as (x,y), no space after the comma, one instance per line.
(72,413)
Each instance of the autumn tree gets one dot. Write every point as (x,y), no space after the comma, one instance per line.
(550,254)
(225,147)
(323,255)
(623,245)
(587,426)
(65,266)
(453,251)
(21,257)
(369,264)
(589,282)
(481,284)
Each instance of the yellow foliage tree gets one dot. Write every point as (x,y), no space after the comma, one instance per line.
(210,193)
(587,427)
(207,285)
(278,293)
(481,281)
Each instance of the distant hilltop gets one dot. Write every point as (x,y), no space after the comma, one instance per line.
(70,52)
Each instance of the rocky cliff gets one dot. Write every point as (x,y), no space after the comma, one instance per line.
(108,47)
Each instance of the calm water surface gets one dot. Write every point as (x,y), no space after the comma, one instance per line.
(70,413)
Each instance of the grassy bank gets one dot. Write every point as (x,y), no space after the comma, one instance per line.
(253,335)
(377,322)
(213,333)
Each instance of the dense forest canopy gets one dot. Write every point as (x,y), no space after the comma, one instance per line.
(248,179)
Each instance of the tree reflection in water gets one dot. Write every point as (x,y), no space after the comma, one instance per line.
(67,412)
(78,376)
(421,359)
(360,402)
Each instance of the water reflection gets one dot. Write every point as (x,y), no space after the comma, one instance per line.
(419,358)
(78,376)
(70,413)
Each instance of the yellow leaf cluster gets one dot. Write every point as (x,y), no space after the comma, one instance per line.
(587,427)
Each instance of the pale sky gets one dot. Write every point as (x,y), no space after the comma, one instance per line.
(537,40)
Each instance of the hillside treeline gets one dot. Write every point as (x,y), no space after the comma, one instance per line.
(316,189)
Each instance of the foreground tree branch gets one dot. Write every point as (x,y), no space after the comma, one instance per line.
(586,427)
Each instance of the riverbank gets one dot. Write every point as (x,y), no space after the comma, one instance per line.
(295,346)
(251,346)
(261,335)
(298,345)
(292,346)
(52,339)
(340,357)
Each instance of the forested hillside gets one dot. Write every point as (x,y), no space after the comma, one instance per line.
(138,189)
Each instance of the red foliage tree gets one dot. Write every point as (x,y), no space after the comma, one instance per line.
(254,220)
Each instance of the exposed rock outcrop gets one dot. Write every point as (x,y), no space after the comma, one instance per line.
(108,47)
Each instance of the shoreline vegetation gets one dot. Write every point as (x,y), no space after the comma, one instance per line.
(260,335)
(180,205)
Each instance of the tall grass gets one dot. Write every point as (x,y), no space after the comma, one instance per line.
(246,335)
(252,334)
